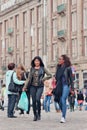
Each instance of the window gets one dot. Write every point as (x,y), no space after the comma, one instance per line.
(25,39)
(54,5)
(7,60)
(48,56)
(54,27)
(32,30)
(39,35)
(0,29)
(3,45)
(74,2)
(17,59)
(33,35)
(54,52)
(6,26)
(25,19)
(74,22)
(85,46)
(40,52)
(76,80)
(11,22)
(17,42)
(17,21)
(32,16)
(12,42)
(25,58)
(63,48)
(32,54)
(63,22)
(85,79)
(85,18)
(74,48)
(6,44)
(39,11)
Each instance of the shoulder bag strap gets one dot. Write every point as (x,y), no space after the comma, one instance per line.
(12,77)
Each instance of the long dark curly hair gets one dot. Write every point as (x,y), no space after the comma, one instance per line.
(67,61)
(39,58)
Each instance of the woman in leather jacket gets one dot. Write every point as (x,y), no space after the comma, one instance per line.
(35,83)
(64,81)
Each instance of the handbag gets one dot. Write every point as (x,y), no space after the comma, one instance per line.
(23,102)
(12,86)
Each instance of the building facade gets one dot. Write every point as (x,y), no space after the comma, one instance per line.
(47,28)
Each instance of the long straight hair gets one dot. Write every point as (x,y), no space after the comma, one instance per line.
(20,69)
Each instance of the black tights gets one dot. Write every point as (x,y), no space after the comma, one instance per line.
(36,93)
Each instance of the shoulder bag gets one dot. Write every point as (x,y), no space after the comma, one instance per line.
(12,86)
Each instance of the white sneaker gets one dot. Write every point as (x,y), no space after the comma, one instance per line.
(62,120)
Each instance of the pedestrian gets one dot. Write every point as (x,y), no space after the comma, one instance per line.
(80,99)
(64,80)
(35,81)
(12,95)
(71,99)
(22,75)
(86,102)
(48,94)
(3,91)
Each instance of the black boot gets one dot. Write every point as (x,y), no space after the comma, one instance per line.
(38,117)
(35,118)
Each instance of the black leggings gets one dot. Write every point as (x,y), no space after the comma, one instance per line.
(36,93)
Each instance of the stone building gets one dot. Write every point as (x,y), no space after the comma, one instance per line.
(47,28)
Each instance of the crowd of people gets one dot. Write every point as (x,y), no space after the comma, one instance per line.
(37,82)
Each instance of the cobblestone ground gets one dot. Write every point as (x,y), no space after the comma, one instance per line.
(50,121)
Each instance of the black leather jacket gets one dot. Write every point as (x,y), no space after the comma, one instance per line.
(68,77)
(42,76)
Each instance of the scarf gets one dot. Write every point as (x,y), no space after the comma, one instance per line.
(59,87)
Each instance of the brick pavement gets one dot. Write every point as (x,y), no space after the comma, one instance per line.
(50,121)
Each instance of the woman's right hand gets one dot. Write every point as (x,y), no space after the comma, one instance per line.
(24,89)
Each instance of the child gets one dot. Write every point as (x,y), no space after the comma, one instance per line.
(48,95)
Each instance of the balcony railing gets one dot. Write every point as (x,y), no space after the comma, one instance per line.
(10,31)
(61,35)
(61,8)
(10,50)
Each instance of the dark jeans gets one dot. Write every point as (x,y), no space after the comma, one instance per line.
(36,93)
(71,106)
(11,104)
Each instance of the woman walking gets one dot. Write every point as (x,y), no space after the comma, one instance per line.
(35,82)
(22,75)
(64,80)
(12,96)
